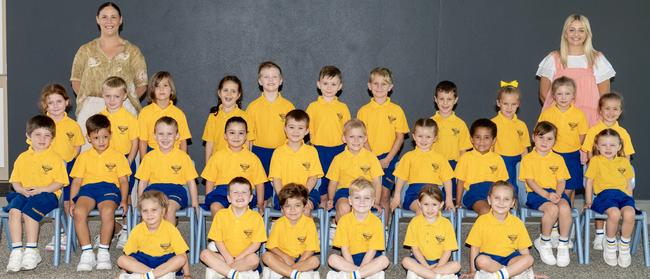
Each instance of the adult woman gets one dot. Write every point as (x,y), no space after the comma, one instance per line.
(578,60)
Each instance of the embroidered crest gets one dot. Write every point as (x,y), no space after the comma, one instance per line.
(455,131)
(165,246)
(367,236)
(123,129)
(70,135)
(306,165)
(282,116)
(244,167)
(513,238)
(493,168)
(520,133)
(46,168)
(302,239)
(440,239)
(573,125)
(176,168)
(391,119)
(365,169)
(110,166)
(621,170)
(435,167)
(248,233)
(553,169)
(340,115)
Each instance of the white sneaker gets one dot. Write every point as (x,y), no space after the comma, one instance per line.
(15,260)
(527,274)
(249,275)
(103,260)
(87,261)
(213,247)
(268,273)
(332,274)
(31,258)
(122,237)
(445,276)
(609,254)
(171,275)
(411,275)
(624,257)
(314,274)
(545,251)
(484,275)
(212,274)
(378,275)
(563,258)
(555,237)
(125,275)
(598,241)
(50,246)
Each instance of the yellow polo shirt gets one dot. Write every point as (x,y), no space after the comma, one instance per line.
(500,238)
(512,136)
(294,239)
(544,170)
(588,144)
(237,233)
(382,122)
(268,120)
(151,113)
(295,167)
(39,169)
(175,167)
(215,127)
(570,125)
(610,174)
(474,167)
(453,136)
(326,120)
(124,129)
(93,167)
(432,239)
(347,167)
(225,165)
(418,166)
(163,241)
(359,236)
(68,136)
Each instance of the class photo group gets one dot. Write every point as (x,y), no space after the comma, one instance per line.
(318,192)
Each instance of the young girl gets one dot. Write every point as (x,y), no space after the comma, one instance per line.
(431,238)
(422,166)
(512,140)
(609,175)
(229,94)
(499,241)
(155,248)
(162,97)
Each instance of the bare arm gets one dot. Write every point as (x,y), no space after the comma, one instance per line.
(544,86)
(76,84)
(142,184)
(397,144)
(589,192)
(135,145)
(208,150)
(194,193)
(460,187)
(604,87)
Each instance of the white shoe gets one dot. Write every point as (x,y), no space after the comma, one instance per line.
(212,274)
(268,273)
(624,257)
(249,275)
(31,258)
(609,254)
(545,251)
(334,275)
(122,236)
(598,242)
(332,233)
(50,246)
(87,261)
(527,274)
(445,276)
(103,260)
(484,275)
(378,275)
(315,274)
(213,247)
(171,275)
(411,275)
(555,237)
(563,258)
(125,275)
(15,260)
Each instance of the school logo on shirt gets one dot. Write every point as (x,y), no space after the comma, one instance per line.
(110,166)
(455,131)
(306,165)
(301,239)
(70,135)
(176,168)
(520,133)
(435,167)
(440,239)
(513,238)
(340,115)
(165,246)
(573,125)
(365,169)
(248,233)
(367,236)
(553,169)
(244,167)
(493,169)
(621,170)
(391,119)
(282,116)
(123,129)
(46,168)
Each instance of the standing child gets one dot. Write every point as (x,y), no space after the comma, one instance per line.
(327,115)
(386,125)
(499,241)
(479,168)
(229,95)
(609,176)
(295,161)
(162,97)
(422,166)
(293,239)
(100,180)
(513,139)
(238,233)
(571,129)
(360,235)
(545,175)
(155,248)
(37,178)
(431,238)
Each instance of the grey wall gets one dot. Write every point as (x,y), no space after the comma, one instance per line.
(473,43)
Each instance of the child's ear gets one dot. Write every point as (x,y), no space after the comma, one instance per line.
(177,136)
(369,86)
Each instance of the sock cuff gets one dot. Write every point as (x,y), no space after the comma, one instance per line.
(30,245)
(16,245)
(564,240)
(87,247)
(545,238)
(600,231)
(294,274)
(232,273)
(103,246)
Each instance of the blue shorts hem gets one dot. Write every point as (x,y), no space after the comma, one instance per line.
(36,207)
(99,192)
(175,192)
(477,192)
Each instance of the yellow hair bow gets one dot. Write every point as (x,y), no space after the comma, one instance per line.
(513,83)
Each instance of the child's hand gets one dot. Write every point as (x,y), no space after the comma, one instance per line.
(469,275)
(554,197)
(125,207)
(394,202)
(23,191)
(310,205)
(378,207)
(587,205)
(229,260)
(330,205)
(71,206)
(384,163)
(583,157)
(449,204)
(459,204)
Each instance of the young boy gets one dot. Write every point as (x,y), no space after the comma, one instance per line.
(356,161)
(327,115)
(37,178)
(386,126)
(238,233)
(296,162)
(360,235)
(100,180)
(293,239)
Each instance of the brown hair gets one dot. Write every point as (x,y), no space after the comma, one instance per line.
(563,81)
(446,86)
(353,124)
(40,121)
(431,191)
(268,64)
(167,121)
(240,180)
(330,72)
(508,90)
(297,115)
(610,96)
(293,191)
(426,123)
(97,122)
(503,184)
(155,80)
(611,133)
(155,196)
(52,88)
(545,127)
(235,119)
(382,72)
(225,79)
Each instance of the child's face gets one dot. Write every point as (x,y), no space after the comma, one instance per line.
(445,101)
(563,96)
(166,136)
(151,211)
(379,86)
(508,104)
(163,90)
(295,130)
(544,143)
(355,139)
(329,86)
(270,79)
(608,146)
(236,135)
(430,206)
(576,34)
(424,137)
(293,209)
(482,139)
(361,201)
(56,104)
(100,139)
(501,200)
(113,97)
(240,195)
(229,94)
(41,138)
(611,110)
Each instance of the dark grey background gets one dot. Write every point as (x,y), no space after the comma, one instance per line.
(473,43)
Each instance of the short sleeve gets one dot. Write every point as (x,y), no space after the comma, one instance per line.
(79,168)
(131,245)
(376,170)
(402,125)
(123,168)
(79,138)
(183,129)
(402,169)
(317,169)
(334,173)
(411,238)
(313,243)
(450,241)
(546,68)
(583,125)
(209,132)
(526,170)
(190,171)
(346,114)
(464,141)
(260,231)
(592,169)
(274,236)
(503,171)
(139,67)
(209,172)
(251,136)
(216,230)
(144,170)
(603,70)
(134,130)
(17,173)
(525,136)
(474,236)
(563,172)
(274,167)
(62,174)
(461,168)
(142,125)
(377,243)
(446,173)
(341,236)
(78,64)
(629,174)
(259,176)
(178,243)
(524,241)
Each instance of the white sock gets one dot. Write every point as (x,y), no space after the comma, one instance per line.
(30,245)
(294,274)
(87,248)
(502,273)
(232,273)
(149,275)
(17,245)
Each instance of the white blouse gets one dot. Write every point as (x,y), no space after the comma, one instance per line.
(603,70)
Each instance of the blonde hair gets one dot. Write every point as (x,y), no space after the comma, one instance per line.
(115,83)
(156,196)
(383,72)
(588,47)
(360,184)
(563,81)
(353,124)
(508,90)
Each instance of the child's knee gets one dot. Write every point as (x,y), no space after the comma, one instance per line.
(15,213)
(382,261)
(613,213)
(121,261)
(206,254)
(482,261)
(252,260)
(331,260)
(454,265)
(628,213)
(527,260)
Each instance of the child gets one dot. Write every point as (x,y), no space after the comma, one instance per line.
(422,166)
(360,235)
(296,162)
(155,248)
(162,97)
(571,129)
(499,241)
(327,115)
(610,107)
(229,95)
(513,139)
(238,233)
(37,178)
(293,239)
(431,238)
(356,161)
(54,102)
(479,168)
(229,163)
(386,125)
(100,180)
(545,175)
(609,175)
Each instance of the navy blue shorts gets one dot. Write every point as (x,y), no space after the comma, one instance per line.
(36,207)
(175,192)
(477,192)
(611,198)
(412,193)
(314,197)
(511,166)
(501,260)
(325,155)
(341,193)
(264,154)
(572,162)
(358,258)
(154,262)
(132,176)
(218,194)
(102,191)
(535,201)
(429,262)
(388,179)
(66,189)
(452,164)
